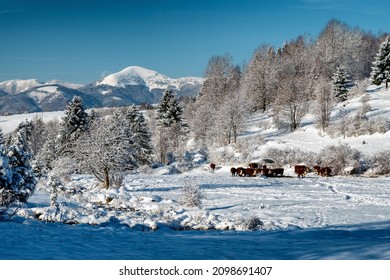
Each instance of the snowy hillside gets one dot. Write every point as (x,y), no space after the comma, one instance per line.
(311,139)
(18,86)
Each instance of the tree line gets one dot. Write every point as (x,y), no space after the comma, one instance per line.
(303,76)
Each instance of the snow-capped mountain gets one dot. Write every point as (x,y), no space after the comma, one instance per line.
(139,76)
(132,85)
(18,86)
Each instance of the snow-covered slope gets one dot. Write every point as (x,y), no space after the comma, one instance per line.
(309,138)
(18,86)
(135,75)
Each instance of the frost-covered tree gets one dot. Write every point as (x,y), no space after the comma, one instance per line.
(293,91)
(74,123)
(38,135)
(259,79)
(341,83)
(381,66)
(6,192)
(19,156)
(2,142)
(234,108)
(105,149)
(338,44)
(172,128)
(324,103)
(141,136)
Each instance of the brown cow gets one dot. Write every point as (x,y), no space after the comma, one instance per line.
(300,170)
(240,171)
(317,168)
(233,170)
(251,172)
(323,171)
(326,171)
(277,171)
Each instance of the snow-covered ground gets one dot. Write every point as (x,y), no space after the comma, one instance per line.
(340,217)
(310,218)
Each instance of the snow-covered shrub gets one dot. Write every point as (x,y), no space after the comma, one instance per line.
(191,195)
(117,178)
(343,159)
(380,163)
(145,169)
(246,146)
(252,223)
(290,157)
(64,168)
(54,183)
(224,155)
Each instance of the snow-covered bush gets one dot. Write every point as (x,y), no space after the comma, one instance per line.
(191,195)
(64,168)
(246,146)
(356,125)
(290,157)
(380,163)
(252,223)
(343,159)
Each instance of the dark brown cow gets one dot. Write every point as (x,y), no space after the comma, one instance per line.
(317,168)
(212,166)
(300,170)
(251,172)
(233,170)
(240,171)
(325,171)
(277,171)
(246,172)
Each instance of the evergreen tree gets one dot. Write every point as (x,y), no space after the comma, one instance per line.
(341,83)
(163,109)
(19,155)
(141,135)
(75,121)
(6,194)
(2,142)
(381,65)
(171,126)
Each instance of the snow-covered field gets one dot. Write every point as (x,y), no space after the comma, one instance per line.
(340,217)
(310,218)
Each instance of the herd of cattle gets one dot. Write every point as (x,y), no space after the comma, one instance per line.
(255,170)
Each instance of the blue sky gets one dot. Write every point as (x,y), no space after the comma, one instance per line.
(81,41)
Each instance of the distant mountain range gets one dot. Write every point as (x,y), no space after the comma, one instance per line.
(132,85)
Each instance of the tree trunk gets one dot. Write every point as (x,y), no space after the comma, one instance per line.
(106,179)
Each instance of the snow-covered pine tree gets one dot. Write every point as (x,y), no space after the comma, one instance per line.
(6,194)
(341,83)
(381,66)
(141,136)
(163,108)
(19,156)
(1,137)
(171,125)
(75,121)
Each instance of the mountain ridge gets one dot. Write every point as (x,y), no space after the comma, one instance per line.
(131,85)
